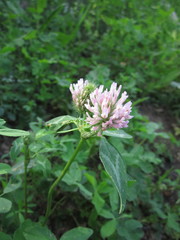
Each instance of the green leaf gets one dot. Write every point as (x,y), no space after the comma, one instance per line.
(146,167)
(60,119)
(12,187)
(33,231)
(79,233)
(130,181)
(166,79)
(7,49)
(4,168)
(74,174)
(172,222)
(41,5)
(116,133)
(108,228)
(133,224)
(130,229)
(85,192)
(2,122)
(18,235)
(91,179)
(16,148)
(13,132)
(5,205)
(15,7)
(50,17)
(158,209)
(114,165)
(140,100)
(4,236)
(114,199)
(43,132)
(18,168)
(106,214)
(30,35)
(58,122)
(98,202)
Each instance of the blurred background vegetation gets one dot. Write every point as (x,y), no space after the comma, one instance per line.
(47,45)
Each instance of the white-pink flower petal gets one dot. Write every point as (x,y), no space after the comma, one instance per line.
(106,109)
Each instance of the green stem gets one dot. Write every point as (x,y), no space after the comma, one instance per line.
(70,130)
(26,161)
(68,164)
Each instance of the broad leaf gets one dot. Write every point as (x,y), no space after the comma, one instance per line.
(4,236)
(108,228)
(114,165)
(116,133)
(79,233)
(33,231)
(4,168)
(18,168)
(5,205)
(18,235)
(130,229)
(13,132)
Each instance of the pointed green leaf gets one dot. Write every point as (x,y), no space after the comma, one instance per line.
(85,192)
(10,187)
(79,233)
(30,35)
(114,166)
(116,133)
(4,168)
(58,122)
(5,205)
(98,202)
(13,132)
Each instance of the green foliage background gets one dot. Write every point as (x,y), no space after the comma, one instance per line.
(47,45)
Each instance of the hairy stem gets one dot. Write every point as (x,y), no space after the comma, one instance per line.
(53,186)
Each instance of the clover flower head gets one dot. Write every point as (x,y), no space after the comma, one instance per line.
(80,92)
(107,110)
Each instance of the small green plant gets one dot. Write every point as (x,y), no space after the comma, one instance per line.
(104,114)
(45,45)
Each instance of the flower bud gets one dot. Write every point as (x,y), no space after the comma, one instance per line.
(80,93)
